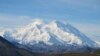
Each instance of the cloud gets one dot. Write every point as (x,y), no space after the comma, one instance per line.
(7,20)
(24,17)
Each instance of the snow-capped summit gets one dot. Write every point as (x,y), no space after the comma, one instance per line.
(54,36)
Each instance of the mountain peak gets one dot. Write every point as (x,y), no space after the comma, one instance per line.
(35,22)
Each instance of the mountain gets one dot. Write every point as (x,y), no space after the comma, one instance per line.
(52,37)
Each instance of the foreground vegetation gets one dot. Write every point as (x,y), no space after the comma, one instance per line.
(96,53)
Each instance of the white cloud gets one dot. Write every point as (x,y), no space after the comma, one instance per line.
(11,21)
(24,17)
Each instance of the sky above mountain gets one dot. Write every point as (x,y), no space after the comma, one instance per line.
(83,14)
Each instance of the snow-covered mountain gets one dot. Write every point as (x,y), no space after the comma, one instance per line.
(55,36)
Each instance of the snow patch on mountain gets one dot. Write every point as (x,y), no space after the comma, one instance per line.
(98,43)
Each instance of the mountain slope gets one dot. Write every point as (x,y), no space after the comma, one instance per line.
(8,49)
(54,37)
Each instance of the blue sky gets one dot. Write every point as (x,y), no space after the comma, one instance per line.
(83,14)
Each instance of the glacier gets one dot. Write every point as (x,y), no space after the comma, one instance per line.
(55,36)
